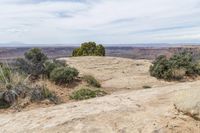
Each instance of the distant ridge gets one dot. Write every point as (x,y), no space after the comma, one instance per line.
(156,45)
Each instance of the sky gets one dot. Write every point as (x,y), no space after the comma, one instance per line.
(103,21)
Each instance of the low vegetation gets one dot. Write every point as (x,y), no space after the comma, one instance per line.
(50,65)
(20,80)
(64,75)
(32,63)
(176,67)
(40,93)
(91,81)
(3,104)
(89,49)
(86,93)
(24,80)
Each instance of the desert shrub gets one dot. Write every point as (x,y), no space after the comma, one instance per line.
(89,49)
(60,62)
(83,94)
(21,89)
(10,78)
(86,93)
(64,75)
(175,68)
(5,74)
(12,87)
(3,104)
(146,87)
(7,98)
(100,50)
(33,63)
(10,96)
(40,93)
(91,81)
(50,65)
(159,67)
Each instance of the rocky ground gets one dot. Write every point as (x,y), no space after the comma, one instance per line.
(117,74)
(128,109)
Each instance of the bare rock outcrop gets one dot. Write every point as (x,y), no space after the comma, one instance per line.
(188,102)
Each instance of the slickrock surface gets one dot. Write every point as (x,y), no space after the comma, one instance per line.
(130,109)
(116,73)
(144,111)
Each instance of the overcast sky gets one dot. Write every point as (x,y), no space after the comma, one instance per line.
(103,21)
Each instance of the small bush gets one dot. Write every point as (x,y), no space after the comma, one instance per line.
(176,67)
(21,89)
(50,65)
(41,93)
(9,97)
(89,49)
(85,93)
(60,62)
(91,81)
(3,104)
(9,77)
(33,63)
(64,75)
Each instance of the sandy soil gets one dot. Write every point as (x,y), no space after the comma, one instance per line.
(135,110)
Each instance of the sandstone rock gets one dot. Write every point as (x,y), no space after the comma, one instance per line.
(188,102)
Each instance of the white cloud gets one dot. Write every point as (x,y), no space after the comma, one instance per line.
(104,21)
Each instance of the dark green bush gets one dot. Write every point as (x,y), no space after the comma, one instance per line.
(64,75)
(8,98)
(33,63)
(100,50)
(3,104)
(175,68)
(50,65)
(89,49)
(91,81)
(85,93)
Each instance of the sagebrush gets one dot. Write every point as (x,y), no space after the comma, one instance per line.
(91,81)
(86,93)
(175,68)
(64,75)
(32,63)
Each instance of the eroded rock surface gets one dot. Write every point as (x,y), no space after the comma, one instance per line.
(144,111)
